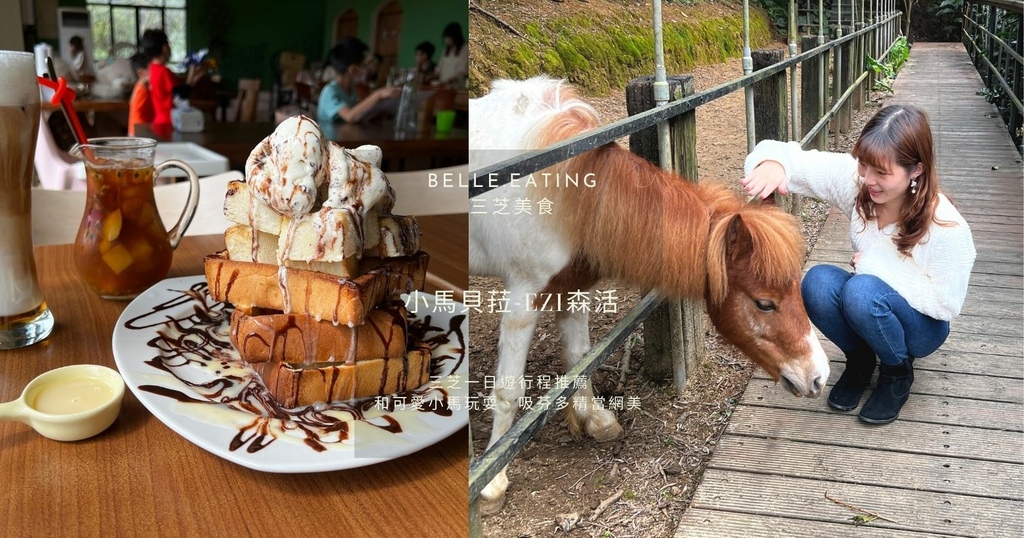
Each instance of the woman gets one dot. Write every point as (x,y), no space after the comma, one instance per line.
(453,66)
(913,252)
(163,84)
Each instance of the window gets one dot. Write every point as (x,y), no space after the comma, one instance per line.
(124,21)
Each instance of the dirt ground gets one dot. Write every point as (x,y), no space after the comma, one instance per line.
(641,484)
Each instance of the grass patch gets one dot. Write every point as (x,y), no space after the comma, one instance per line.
(599,53)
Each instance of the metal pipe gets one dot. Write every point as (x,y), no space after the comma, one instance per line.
(837,71)
(794,103)
(821,62)
(661,90)
(748,68)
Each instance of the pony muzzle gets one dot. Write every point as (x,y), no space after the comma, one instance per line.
(807,376)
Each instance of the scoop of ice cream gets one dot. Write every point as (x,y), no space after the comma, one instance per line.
(285,170)
(357,182)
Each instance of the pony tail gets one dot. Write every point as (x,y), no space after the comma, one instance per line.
(717,268)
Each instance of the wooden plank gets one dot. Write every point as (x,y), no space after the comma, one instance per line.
(919,511)
(991,344)
(763,392)
(942,383)
(703,523)
(902,436)
(986,325)
(984,280)
(978,364)
(860,466)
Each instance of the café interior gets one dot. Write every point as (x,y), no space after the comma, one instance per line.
(242,67)
(175,455)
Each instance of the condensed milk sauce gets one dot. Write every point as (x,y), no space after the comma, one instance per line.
(67,396)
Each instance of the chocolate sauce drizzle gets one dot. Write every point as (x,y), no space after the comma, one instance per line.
(193,345)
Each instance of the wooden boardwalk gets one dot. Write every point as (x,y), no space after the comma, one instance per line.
(953,463)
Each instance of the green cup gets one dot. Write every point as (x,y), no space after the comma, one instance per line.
(445,119)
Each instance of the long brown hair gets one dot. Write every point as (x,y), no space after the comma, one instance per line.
(901,134)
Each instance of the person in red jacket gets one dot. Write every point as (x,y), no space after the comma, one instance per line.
(155,45)
(140,107)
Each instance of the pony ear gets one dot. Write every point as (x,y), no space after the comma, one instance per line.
(728,238)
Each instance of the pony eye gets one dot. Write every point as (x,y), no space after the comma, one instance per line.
(764,305)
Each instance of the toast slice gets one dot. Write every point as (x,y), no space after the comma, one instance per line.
(322,296)
(338,228)
(238,239)
(298,339)
(294,386)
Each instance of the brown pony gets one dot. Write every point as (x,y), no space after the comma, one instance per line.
(615,215)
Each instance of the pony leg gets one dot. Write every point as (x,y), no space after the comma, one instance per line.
(584,414)
(517,328)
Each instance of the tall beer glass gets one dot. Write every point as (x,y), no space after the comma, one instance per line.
(24,317)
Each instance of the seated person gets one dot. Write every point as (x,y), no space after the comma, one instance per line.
(453,67)
(425,62)
(80,61)
(339,99)
(140,107)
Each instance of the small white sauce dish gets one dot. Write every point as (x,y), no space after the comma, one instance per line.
(69,403)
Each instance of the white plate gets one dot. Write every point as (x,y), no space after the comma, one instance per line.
(172,348)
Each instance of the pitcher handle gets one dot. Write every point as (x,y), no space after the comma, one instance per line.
(175,234)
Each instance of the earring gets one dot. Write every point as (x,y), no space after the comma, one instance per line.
(913,186)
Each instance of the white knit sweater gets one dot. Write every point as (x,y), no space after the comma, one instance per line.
(933,279)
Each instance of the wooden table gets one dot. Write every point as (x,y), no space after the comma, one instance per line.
(139,478)
(414,151)
(92,105)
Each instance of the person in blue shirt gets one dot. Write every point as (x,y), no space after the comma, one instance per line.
(339,99)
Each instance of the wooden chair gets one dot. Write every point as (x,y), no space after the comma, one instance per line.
(248,99)
(57,169)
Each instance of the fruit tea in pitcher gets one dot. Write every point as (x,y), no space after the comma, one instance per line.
(122,247)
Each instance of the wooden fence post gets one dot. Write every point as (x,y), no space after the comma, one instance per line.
(809,93)
(861,65)
(476,524)
(771,122)
(674,332)
(845,79)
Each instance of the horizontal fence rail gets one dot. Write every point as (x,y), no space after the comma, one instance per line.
(993,34)
(486,466)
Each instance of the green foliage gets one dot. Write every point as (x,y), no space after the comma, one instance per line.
(597,52)
(897,58)
(778,11)
(937,20)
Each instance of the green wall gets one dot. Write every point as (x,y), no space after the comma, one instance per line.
(421,21)
(255,32)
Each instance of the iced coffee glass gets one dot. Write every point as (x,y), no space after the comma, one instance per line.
(24,317)
(122,247)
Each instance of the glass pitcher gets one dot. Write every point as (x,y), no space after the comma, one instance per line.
(122,246)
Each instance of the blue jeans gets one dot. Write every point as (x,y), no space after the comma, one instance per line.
(863,314)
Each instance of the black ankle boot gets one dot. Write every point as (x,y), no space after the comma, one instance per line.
(891,392)
(846,393)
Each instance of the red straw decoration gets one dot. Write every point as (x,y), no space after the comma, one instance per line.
(62,97)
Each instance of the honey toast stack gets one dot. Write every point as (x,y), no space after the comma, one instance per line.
(314,266)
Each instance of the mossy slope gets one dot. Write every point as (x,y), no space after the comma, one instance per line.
(599,52)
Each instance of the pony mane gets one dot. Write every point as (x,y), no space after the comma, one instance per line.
(766,239)
(648,227)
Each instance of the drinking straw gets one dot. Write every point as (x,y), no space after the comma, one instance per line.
(63,96)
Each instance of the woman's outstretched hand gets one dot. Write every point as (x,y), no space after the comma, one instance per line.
(768,177)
